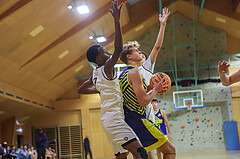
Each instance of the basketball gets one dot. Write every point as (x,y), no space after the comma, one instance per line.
(158,77)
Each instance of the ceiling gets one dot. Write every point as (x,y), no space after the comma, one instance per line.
(30,62)
(22,111)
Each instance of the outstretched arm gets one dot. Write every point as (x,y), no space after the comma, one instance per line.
(118,43)
(168,126)
(163,19)
(85,88)
(227,80)
(143,98)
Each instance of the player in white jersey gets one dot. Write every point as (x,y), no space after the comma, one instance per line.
(148,63)
(147,72)
(120,135)
(227,80)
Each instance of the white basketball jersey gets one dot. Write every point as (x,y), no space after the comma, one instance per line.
(110,93)
(117,130)
(146,71)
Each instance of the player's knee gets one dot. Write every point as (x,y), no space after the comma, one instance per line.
(172,148)
(170,151)
(143,153)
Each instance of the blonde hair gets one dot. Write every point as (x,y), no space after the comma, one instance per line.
(127,49)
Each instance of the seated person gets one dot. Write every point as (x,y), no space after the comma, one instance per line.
(19,149)
(24,153)
(32,152)
(13,152)
(50,153)
(5,150)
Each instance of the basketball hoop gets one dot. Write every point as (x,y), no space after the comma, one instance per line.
(188,99)
(189,105)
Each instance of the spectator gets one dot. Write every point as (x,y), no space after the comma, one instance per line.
(50,153)
(24,153)
(5,150)
(29,151)
(19,149)
(33,153)
(87,147)
(41,143)
(7,154)
(1,151)
(13,152)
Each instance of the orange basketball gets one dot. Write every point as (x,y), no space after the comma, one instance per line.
(158,77)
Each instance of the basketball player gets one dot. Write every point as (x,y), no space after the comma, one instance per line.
(135,100)
(119,134)
(161,120)
(227,80)
(149,62)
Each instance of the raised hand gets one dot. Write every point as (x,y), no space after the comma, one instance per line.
(164,16)
(115,11)
(223,67)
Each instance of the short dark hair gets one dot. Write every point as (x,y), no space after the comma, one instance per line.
(92,52)
(146,56)
(155,100)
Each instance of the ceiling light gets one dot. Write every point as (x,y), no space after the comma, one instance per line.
(25,118)
(17,122)
(140,27)
(101,39)
(19,130)
(221,20)
(83,9)
(62,55)
(36,31)
(78,68)
(70,6)
(91,37)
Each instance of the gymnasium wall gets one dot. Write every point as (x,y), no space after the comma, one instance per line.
(1,131)
(7,130)
(91,125)
(236,97)
(71,117)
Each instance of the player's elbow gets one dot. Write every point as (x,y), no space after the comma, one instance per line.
(81,90)
(226,83)
(143,103)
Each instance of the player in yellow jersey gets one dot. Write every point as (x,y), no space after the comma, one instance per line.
(161,121)
(135,100)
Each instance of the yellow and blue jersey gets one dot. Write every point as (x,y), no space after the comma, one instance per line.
(148,133)
(159,121)
(129,98)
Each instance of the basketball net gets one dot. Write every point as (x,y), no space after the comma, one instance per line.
(189,105)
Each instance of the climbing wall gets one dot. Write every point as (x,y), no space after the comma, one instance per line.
(201,128)
(211,46)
